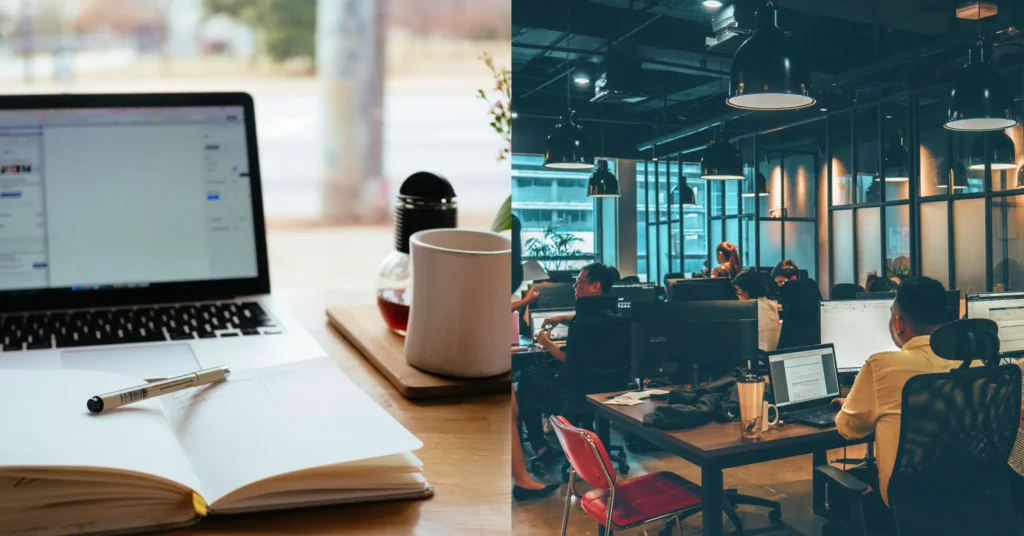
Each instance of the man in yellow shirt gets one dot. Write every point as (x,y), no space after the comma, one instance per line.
(874,402)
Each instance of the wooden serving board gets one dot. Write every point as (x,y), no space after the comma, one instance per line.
(363,326)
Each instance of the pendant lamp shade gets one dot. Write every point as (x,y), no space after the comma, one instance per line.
(959,175)
(602,182)
(1000,151)
(760,186)
(981,99)
(769,70)
(721,161)
(1020,177)
(897,161)
(568,146)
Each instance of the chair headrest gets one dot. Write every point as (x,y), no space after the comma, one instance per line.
(967,340)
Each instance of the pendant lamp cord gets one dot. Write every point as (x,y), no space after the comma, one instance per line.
(568,61)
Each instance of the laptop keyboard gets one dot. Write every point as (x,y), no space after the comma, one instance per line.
(67,329)
(812,413)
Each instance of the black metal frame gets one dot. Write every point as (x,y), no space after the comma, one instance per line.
(653,251)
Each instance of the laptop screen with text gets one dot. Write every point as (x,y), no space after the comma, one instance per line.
(94,198)
(804,375)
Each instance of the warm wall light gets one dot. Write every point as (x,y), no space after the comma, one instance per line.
(603,183)
(980,100)
(568,146)
(1000,151)
(769,70)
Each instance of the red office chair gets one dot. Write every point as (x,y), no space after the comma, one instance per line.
(634,502)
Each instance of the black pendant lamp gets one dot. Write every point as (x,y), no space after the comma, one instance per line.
(1020,177)
(760,186)
(1000,151)
(568,147)
(897,159)
(958,172)
(721,161)
(602,182)
(981,99)
(769,70)
(684,195)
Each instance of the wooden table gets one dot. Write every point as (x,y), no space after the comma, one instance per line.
(714,447)
(466,454)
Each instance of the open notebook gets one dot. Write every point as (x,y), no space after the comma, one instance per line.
(287,436)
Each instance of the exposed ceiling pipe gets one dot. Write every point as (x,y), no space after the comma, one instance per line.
(960,41)
(670,66)
(602,49)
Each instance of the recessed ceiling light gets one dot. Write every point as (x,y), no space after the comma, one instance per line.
(713,4)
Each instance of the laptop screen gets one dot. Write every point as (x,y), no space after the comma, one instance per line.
(98,198)
(804,374)
(537,318)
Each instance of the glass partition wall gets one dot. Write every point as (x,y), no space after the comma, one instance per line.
(671,236)
(899,195)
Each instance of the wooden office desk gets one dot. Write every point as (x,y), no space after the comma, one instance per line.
(714,447)
(465,454)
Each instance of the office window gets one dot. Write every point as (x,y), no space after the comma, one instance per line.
(869,243)
(969,245)
(675,234)
(843,268)
(1007,179)
(802,245)
(1007,243)
(897,240)
(869,186)
(842,159)
(560,222)
(935,150)
(935,241)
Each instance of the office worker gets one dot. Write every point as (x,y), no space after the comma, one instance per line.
(801,311)
(873,404)
(877,283)
(538,389)
(750,287)
(729,263)
(531,296)
(593,280)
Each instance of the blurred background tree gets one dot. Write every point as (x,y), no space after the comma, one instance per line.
(287,28)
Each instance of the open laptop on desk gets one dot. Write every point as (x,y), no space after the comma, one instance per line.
(132,236)
(804,381)
(559,334)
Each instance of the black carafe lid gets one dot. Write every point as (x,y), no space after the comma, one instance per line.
(425,201)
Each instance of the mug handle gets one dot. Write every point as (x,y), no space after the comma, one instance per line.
(767,410)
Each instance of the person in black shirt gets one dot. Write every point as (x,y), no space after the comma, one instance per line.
(801,310)
(538,390)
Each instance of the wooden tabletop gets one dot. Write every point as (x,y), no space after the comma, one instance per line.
(466,454)
(720,443)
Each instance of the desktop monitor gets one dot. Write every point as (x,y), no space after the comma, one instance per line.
(554,296)
(857,329)
(701,289)
(802,376)
(537,320)
(1007,310)
(630,293)
(591,305)
(693,340)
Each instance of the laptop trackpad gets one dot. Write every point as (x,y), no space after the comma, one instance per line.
(146,362)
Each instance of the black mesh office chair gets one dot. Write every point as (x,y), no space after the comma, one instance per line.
(844,291)
(956,435)
(598,362)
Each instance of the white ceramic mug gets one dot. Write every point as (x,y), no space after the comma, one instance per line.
(766,409)
(458,324)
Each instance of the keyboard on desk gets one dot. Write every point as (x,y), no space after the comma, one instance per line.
(819,416)
(64,329)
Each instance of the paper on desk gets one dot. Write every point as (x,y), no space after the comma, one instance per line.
(633,398)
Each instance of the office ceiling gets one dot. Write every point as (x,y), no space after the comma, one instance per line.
(856,48)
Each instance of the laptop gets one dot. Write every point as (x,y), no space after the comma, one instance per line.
(560,333)
(804,381)
(132,239)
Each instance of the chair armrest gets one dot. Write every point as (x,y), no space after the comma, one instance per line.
(848,483)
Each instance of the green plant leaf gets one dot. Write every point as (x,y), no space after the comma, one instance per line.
(503,219)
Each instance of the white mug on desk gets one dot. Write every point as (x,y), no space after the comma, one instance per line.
(459,320)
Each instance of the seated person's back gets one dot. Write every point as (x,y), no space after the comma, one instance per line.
(874,402)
